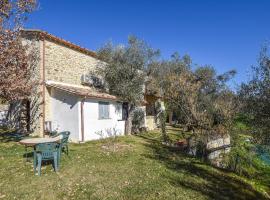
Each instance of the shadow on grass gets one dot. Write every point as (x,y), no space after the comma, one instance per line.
(29,154)
(178,133)
(214,183)
(29,158)
(11,136)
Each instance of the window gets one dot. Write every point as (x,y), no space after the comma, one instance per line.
(103,110)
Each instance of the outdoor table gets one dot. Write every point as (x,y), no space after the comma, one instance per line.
(32,142)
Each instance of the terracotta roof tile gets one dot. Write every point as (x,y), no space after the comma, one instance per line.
(82,91)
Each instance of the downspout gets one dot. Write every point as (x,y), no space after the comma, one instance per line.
(43,86)
(82,119)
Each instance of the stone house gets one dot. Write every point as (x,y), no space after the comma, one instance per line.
(62,102)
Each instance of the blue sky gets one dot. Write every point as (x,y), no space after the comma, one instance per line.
(224,33)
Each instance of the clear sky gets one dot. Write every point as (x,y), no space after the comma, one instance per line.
(227,34)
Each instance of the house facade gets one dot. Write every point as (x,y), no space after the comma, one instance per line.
(61,101)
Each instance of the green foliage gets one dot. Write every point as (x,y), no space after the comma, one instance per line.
(124,68)
(124,72)
(243,160)
(255,96)
(241,123)
(200,98)
(244,157)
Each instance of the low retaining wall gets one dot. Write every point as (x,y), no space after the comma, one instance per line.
(216,146)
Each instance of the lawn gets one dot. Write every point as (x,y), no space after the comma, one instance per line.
(138,167)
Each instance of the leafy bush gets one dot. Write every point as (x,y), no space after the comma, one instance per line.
(244,158)
(241,123)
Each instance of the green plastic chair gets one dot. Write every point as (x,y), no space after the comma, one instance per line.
(44,152)
(64,140)
(63,146)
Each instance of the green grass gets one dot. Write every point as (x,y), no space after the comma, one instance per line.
(139,168)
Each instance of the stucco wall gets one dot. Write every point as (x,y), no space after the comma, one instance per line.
(66,116)
(95,128)
(65,113)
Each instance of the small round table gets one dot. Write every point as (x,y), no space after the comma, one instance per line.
(31,142)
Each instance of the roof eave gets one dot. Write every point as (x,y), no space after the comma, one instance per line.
(45,35)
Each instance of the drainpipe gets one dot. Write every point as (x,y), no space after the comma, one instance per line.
(43,87)
(82,119)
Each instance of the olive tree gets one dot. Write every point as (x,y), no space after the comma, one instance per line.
(200,97)
(124,72)
(255,96)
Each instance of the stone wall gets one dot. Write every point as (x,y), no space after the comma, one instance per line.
(218,141)
(216,145)
(65,65)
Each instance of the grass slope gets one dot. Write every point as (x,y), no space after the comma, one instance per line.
(139,168)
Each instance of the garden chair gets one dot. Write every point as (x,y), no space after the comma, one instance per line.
(64,136)
(63,146)
(45,152)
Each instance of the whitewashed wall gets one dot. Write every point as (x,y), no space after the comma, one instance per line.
(65,110)
(66,116)
(95,128)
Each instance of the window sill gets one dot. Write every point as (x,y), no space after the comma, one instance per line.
(104,118)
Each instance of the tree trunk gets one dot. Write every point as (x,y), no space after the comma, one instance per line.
(165,137)
(128,124)
(171,118)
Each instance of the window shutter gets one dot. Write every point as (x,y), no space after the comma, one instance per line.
(103,110)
